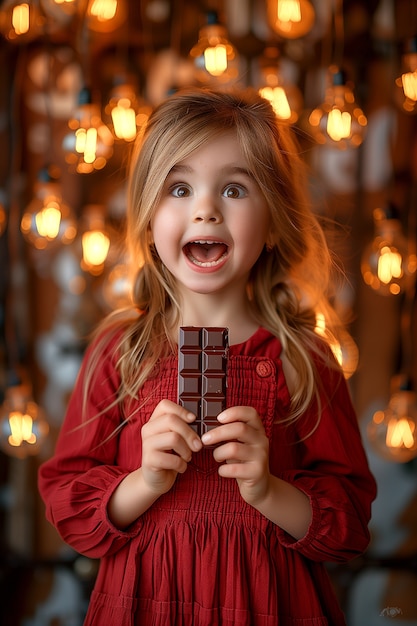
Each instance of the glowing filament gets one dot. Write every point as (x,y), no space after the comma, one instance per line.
(289,11)
(21,429)
(400,433)
(95,247)
(20,19)
(389,265)
(103,10)
(339,124)
(124,120)
(279,101)
(215,59)
(409,81)
(48,221)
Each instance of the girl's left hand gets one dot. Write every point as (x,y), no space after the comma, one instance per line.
(244,451)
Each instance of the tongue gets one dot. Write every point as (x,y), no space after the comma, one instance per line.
(207,252)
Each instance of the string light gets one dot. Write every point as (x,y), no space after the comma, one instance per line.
(393,431)
(387,264)
(407,82)
(285,97)
(89,145)
(214,56)
(47,219)
(95,241)
(338,120)
(291,18)
(106,15)
(20,22)
(23,427)
(127,113)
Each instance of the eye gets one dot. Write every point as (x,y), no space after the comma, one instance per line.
(235,191)
(180,191)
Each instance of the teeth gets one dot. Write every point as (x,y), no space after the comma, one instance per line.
(204,242)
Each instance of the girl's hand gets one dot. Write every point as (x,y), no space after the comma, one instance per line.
(167,445)
(245,451)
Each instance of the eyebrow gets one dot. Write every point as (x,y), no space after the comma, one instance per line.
(233,169)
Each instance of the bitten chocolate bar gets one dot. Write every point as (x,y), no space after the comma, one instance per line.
(202,373)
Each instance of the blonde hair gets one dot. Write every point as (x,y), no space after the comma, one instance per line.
(289,282)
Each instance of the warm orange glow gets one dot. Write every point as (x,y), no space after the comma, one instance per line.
(21,429)
(48,221)
(400,433)
(124,120)
(20,19)
(215,59)
(279,101)
(291,18)
(103,10)
(339,124)
(96,246)
(409,83)
(389,264)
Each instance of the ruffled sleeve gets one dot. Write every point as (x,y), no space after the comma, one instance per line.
(331,467)
(76,484)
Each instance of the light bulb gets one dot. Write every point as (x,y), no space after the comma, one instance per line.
(89,145)
(95,241)
(23,427)
(214,56)
(387,265)
(406,92)
(106,15)
(393,432)
(46,219)
(338,121)
(291,18)
(127,113)
(20,22)
(285,97)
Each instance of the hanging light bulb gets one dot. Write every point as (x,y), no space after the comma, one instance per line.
(285,97)
(338,121)
(23,427)
(393,432)
(128,114)
(90,144)
(95,241)
(291,18)
(387,265)
(47,220)
(214,55)
(406,93)
(105,16)
(20,22)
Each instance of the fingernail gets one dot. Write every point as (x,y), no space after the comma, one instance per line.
(206,438)
(196,444)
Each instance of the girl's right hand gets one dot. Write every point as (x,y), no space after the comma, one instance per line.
(167,445)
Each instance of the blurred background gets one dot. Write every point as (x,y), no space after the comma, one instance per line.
(78,79)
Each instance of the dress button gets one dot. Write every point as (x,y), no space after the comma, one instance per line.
(264,369)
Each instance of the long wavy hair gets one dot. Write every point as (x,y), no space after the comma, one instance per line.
(289,283)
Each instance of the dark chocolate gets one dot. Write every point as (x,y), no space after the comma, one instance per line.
(202,373)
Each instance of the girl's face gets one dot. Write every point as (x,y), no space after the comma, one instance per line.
(212,221)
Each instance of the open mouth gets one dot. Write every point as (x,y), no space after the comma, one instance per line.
(206,253)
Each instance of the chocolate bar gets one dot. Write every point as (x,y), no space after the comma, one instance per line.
(202,370)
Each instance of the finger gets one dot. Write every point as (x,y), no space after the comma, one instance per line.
(246,414)
(163,424)
(168,407)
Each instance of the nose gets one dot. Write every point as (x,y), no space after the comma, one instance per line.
(206,210)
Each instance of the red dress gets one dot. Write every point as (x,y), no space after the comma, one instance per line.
(201,556)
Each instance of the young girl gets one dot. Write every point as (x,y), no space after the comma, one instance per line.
(233,528)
